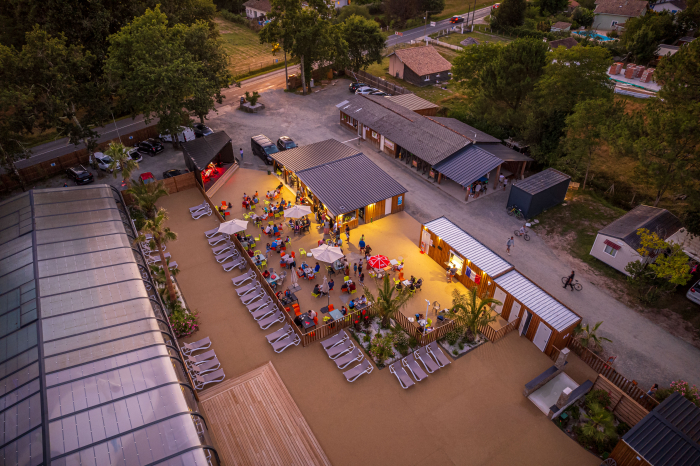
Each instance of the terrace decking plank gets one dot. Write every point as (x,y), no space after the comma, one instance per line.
(254,421)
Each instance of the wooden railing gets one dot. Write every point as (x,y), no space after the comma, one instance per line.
(324,331)
(423,339)
(620,381)
(554,354)
(495,335)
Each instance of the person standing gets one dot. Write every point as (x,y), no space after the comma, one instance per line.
(570,281)
(359,267)
(477,190)
(501,179)
(509,245)
(241,152)
(362,245)
(347,233)
(469,193)
(355,268)
(505,184)
(362,279)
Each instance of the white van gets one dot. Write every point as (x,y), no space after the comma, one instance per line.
(185,134)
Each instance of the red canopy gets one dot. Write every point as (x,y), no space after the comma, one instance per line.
(378,262)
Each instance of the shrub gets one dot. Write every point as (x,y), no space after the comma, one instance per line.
(367,338)
(233,17)
(412,342)
(599,431)
(600,397)
(455,352)
(184,323)
(452,337)
(574,412)
(401,342)
(622,428)
(691,393)
(382,348)
(252,98)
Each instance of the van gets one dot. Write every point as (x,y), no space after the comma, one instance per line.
(185,134)
(263,147)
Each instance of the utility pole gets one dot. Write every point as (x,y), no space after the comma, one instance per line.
(473,14)
(425,28)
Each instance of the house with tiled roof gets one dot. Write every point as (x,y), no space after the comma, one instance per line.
(610,14)
(257,8)
(672,6)
(560,26)
(421,66)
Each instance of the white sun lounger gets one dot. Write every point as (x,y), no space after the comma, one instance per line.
(365,367)
(253,295)
(217,239)
(254,306)
(201,380)
(155,259)
(247,288)
(221,249)
(422,355)
(411,364)
(286,342)
(201,213)
(263,312)
(337,351)
(221,258)
(270,321)
(336,339)
(211,233)
(236,263)
(207,366)
(349,358)
(199,207)
(279,334)
(171,265)
(241,279)
(189,348)
(404,379)
(437,353)
(200,358)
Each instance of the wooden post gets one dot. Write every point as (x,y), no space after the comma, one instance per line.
(522,171)
(439,177)
(495,179)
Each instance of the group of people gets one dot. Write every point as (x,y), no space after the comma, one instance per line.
(299,225)
(475,189)
(413,284)
(250,202)
(275,193)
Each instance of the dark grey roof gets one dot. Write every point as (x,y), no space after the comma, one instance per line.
(468,165)
(313,155)
(203,150)
(659,221)
(350,183)
(411,101)
(465,130)
(541,181)
(422,136)
(504,153)
(668,436)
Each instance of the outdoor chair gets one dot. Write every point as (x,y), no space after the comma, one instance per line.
(263,312)
(211,233)
(411,364)
(437,353)
(247,288)
(252,295)
(201,213)
(201,206)
(239,262)
(365,367)
(279,334)
(189,348)
(217,239)
(200,381)
(422,355)
(337,351)
(302,252)
(200,358)
(222,249)
(404,379)
(207,366)
(272,320)
(241,279)
(286,342)
(349,358)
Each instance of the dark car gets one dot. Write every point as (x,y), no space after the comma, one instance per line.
(80,175)
(285,142)
(174,172)
(356,86)
(456,19)
(201,130)
(263,147)
(150,147)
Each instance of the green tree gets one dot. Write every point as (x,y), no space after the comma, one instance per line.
(645,33)
(510,14)
(120,158)
(354,9)
(388,300)
(145,197)
(666,261)
(588,336)
(160,237)
(551,7)
(679,76)
(583,16)
(365,42)
(471,311)
(600,426)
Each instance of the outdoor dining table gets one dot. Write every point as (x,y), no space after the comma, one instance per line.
(360,307)
(272,278)
(286,300)
(307,322)
(259,258)
(406,283)
(336,315)
(308,270)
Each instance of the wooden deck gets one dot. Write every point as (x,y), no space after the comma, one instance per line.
(254,421)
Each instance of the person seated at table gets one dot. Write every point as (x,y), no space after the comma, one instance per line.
(312,314)
(268,195)
(250,252)
(344,288)
(362,300)
(256,199)
(268,230)
(266,273)
(412,279)
(298,320)
(351,304)
(344,310)
(291,223)
(275,230)
(352,287)
(267,249)
(317,290)
(399,286)
(339,241)
(331,284)
(412,287)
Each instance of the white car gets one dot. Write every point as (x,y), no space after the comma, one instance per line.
(134,154)
(185,134)
(365,90)
(693,293)
(104,161)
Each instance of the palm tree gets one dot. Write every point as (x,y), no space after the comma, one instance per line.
(120,158)
(146,195)
(471,311)
(385,303)
(601,424)
(160,236)
(587,336)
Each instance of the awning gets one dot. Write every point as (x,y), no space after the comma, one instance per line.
(468,165)
(616,247)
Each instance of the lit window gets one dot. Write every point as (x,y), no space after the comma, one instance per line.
(610,250)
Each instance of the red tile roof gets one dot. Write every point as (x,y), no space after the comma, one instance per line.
(423,60)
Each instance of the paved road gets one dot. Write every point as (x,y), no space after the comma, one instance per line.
(416,33)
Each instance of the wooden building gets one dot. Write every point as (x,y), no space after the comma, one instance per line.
(545,321)
(421,66)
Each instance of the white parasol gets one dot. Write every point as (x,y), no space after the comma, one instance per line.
(325,253)
(233,226)
(297,211)
(324,286)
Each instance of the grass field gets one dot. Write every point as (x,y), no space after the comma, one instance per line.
(245,52)
(458,7)
(483,38)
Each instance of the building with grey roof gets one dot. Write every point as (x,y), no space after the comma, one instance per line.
(539,192)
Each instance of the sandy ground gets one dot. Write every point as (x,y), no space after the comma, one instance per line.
(472,412)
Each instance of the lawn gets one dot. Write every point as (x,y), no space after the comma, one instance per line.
(243,47)
(458,7)
(483,38)
(431,93)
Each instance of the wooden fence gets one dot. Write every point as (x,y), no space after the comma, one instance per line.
(603,368)
(324,331)
(495,335)
(623,406)
(379,83)
(172,185)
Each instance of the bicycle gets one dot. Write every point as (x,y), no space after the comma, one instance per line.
(513,211)
(575,283)
(524,235)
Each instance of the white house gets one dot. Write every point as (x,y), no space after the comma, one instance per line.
(672,6)
(617,243)
(611,13)
(257,8)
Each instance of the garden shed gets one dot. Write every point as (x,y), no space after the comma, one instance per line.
(210,159)
(539,192)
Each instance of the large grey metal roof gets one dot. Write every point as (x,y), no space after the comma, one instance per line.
(541,181)
(659,221)
(465,130)
(350,183)
(470,248)
(537,300)
(313,155)
(411,101)
(669,434)
(423,137)
(89,371)
(468,165)
(503,152)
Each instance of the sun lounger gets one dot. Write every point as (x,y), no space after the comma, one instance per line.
(211,233)
(365,367)
(411,364)
(217,239)
(265,311)
(171,265)
(422,355)
(241,279)
(189,348)
(236,263)
(254,306)
(247,288)
(437,353)
(270,321)
(404,379)
(199,207)
(207,366)
(222,249)
(286,342)
(156,258)
(334,340)
(201,213)
(279,334)
(253,295)
(221,258)
(200,358)
(201,380)
(337,351)
(349,358)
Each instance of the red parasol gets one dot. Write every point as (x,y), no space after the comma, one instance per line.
(378,262)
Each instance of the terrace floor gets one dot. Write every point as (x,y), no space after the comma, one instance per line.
(472,412)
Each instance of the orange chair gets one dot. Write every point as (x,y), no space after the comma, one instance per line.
(330,307)
(287,309)
(401,276)
(316,320)
(297,310)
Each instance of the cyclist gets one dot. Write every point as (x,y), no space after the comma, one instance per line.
(522,230)
(570,281)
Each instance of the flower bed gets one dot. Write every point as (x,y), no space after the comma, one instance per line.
(384,346)
(461,347)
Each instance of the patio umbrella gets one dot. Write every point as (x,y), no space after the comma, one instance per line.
(378,262)
(324,286)
(325,253)
(297,211)
(233,226)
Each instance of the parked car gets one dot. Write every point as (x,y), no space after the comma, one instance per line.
(693,293)
(174,172)
(134,154)
(456,19)
(263,147)
(201,130)
(285,142)
(104,161)
(147,178)
(365,90)
(382,93)
(356,86)
(80,175)
(150,147)
(496,6)
(185,134)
